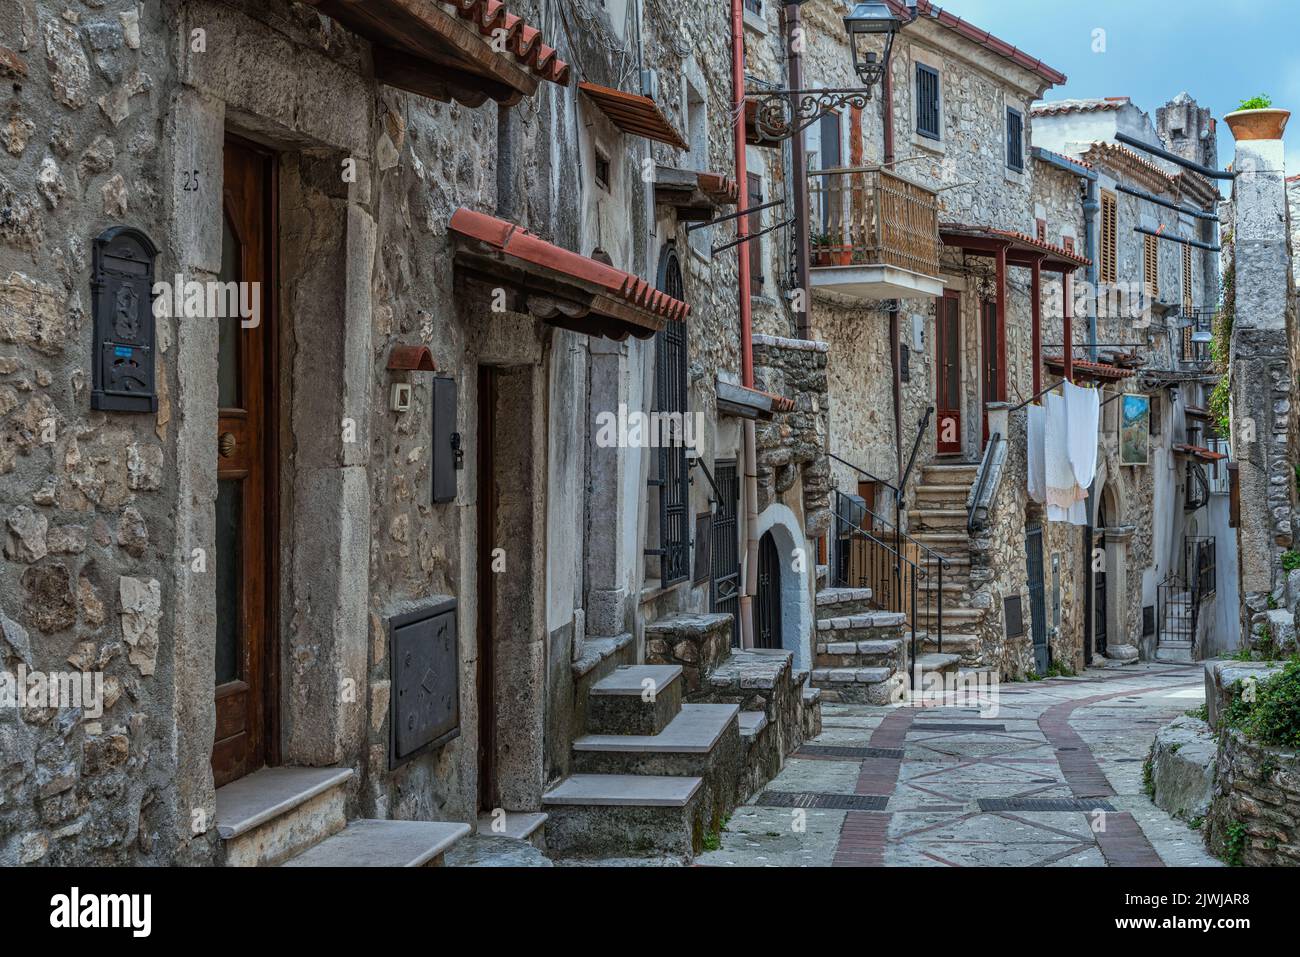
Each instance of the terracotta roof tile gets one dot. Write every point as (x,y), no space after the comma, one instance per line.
(520,244)
(523,41)
(957,230)
(1100,371)
(925,8)
(1197,452)
(1060,107)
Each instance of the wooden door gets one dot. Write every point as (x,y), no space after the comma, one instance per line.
(245,541)
(991,347)
(767,618)
(485,683)
(947,357)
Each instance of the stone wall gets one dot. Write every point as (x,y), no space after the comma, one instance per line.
(1254,817)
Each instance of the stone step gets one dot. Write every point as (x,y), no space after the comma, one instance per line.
(937,518)
(946,663)
(696,642)
(957,474)
(879,623)
(752,670)
(516,825)
(956,643)
(368,843)
(697,741)
(875,653)
(875,686)
(957,616)
(266,817)
(635,699)
(948,492)
(751,725)
(1180,651)
(838,602)
(625,815)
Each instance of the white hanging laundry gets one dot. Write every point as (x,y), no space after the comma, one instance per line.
(1034,440)
(1082,412)
(1060,489)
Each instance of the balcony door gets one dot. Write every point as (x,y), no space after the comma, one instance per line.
(947,358)
(245,544)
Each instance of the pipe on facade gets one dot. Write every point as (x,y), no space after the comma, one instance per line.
(746,325)
(1091,208)
(799,177)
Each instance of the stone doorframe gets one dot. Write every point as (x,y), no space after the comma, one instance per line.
(1115,538)
(258,83)
(796,588)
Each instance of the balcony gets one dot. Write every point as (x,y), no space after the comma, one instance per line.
(873,234)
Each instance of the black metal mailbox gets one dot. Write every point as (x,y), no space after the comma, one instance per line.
(425,670)
(122,307)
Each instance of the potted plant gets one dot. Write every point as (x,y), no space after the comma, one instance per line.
(1255,119)
(821,249)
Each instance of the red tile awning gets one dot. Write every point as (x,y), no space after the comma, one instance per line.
(557,286)
(638,115)
(1096,371)
(422,48)
(1021,247)
(1199,453)
(696,196)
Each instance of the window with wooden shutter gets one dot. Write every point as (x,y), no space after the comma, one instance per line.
(1109,237)
(927,101)
(1151,265)
(1068,242)
(1041,230)
(1188,296)
(1015,140)
(755,245)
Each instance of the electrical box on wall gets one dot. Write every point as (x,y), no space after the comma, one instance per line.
(424,707)
(448,456)
(123,322)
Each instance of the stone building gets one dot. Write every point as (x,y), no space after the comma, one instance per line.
(1160,524)
(359,564)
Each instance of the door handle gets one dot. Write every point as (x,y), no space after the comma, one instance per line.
(226,444)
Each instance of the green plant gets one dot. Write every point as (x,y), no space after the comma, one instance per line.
(1059,669)
(1234,844)
(1273,716)
(1173,748)
(1195,823)
(1261,102)
(1291,560)
(1149,775)
(1202,713)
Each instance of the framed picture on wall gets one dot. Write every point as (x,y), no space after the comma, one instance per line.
(1134,429)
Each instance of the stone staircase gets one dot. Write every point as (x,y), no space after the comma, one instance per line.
(937,520)
(673,745)
(294,817)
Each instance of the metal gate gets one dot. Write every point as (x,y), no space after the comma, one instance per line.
(1037,604)
(1099,611)
(768,618)
(724,585)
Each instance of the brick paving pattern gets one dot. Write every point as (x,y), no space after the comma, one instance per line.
(1038,748)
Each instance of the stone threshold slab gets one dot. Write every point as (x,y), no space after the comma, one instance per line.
(267,794)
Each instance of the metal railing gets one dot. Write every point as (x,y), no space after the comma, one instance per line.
(868,551)
(869,216)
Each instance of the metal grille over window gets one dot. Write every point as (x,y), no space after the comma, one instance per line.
(1109,236)
(1015,140)
(673,477)
(927,101)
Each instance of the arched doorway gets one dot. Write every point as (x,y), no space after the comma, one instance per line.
(767,620)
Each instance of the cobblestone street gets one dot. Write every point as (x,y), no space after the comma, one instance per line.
(973,786)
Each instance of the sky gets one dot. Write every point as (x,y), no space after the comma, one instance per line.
(1219,51)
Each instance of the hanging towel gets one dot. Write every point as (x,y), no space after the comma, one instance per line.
(1082,411)
(1060,488)
(1035,449)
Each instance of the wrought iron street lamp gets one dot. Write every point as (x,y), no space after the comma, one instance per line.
(781,114)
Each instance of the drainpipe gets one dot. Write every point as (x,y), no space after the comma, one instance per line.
(746,325)
(799,176)
(887,112)
(1091,207)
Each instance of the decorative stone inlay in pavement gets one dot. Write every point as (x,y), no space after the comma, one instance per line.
(1053,778)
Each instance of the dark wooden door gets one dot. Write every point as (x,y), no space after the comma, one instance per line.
(990,342)
(1037,602)
(947,358)
(485,682)
(245,543)
(767,617)
(1099,611)
(724,549)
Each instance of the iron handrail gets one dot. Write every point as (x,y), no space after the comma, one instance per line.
(911,462)
(862,471)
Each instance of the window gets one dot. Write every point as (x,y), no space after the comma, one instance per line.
(927,101)
(1188,296)
(1068,242)
(1151,265)
(673,476)
(602,170)
(754,6)
(755,245)
(1015,140)
(1041,233)
(1109,236)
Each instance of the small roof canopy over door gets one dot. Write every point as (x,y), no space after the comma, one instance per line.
(421,47)
(558,286)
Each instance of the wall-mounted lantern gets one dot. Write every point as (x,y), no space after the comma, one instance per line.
(123,322)
(871,28)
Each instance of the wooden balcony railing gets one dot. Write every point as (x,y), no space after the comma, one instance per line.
(869,216)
